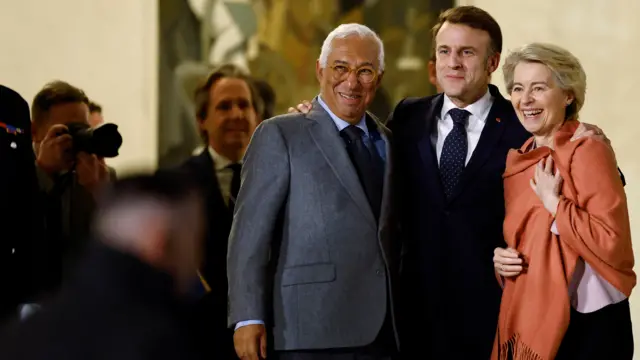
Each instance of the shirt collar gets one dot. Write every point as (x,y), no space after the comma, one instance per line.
(220,161)
(479,109)
(341,124)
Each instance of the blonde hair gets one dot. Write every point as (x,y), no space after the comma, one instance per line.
(564,66)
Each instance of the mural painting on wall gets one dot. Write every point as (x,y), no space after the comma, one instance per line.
(279,41)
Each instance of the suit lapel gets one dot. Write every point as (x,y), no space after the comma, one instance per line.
(384,148)
(426,126)
(207,171)
(325,134)
(489,138)
(386,207)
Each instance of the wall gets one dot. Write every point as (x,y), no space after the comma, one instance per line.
(106,47)
(604,36)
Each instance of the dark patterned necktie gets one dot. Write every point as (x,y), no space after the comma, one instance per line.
(454,151)
(235,184)
(368,164)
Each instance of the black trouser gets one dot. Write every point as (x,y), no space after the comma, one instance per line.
(603,334)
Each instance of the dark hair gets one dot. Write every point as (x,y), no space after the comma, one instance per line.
(166,186)
(268,95)
(473,17)
(224,71)
(55,93)
(94,107)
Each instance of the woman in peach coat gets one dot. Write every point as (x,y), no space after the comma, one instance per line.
(567,271)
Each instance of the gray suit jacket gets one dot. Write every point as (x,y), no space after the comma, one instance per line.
(306,254)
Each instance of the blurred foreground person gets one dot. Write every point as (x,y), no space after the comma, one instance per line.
(126,301)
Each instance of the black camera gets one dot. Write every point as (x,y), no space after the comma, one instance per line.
(103,141)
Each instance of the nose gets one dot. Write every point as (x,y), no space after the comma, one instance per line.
(236,112)
(453,60)
(526,97)
(352,80)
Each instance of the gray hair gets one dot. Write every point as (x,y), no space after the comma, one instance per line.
(346,30)
(564,66)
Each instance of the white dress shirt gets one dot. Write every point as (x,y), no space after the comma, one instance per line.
(444,124)
(588,291)
(223,173)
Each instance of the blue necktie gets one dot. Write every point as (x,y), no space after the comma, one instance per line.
(368,165)
(454,151)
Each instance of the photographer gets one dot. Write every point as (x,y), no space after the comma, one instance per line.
(68,179)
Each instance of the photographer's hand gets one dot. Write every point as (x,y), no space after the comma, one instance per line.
(54,154)
(92,172)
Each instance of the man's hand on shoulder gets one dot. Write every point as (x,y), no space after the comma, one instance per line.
(304,107)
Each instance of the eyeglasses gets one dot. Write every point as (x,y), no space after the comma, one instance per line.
(366,74)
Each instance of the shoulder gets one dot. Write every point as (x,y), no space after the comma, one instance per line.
(192,162)
(412,103)
(285,120)
(284,126)
(502,110)
(407,108)
(591,152)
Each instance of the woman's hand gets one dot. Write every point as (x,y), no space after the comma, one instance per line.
(507,262)
(547,185)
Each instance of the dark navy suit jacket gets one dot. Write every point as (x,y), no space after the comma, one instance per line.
(450,294)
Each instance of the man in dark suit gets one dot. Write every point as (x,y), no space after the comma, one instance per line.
(451,151)
(228,108)
(20,228)
(311,260)
(127,302)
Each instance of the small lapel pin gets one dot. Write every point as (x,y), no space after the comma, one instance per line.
(498,119)
(11,129)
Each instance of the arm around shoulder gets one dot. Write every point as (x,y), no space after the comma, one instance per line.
(394,116)
(264,189)
(597,220)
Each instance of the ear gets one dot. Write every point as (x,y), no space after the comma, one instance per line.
(493,62)
(34,134)
(319,71)
(569,99)
(379,79)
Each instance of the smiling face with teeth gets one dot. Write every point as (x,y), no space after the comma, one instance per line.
(346,96)
(539,102)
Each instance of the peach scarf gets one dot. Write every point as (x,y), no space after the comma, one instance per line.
(593,222)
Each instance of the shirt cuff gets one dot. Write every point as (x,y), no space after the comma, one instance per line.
(248,322)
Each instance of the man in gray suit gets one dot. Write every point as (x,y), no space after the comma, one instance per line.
(311,261)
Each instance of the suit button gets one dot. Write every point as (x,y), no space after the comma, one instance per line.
(13,250)
(379,272)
